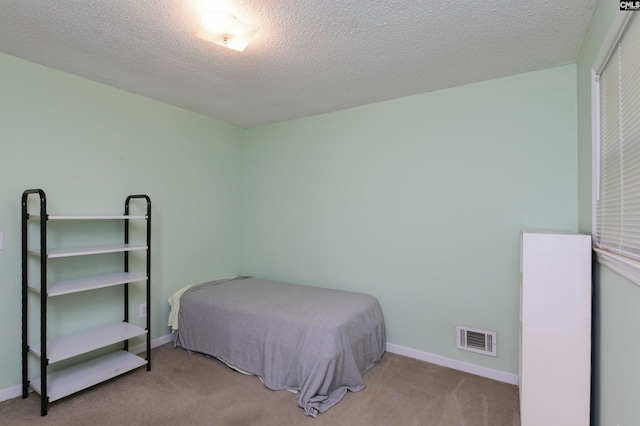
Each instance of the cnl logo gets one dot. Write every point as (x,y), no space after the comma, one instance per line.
(629,5)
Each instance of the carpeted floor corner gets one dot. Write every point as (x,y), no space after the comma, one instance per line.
(183,389)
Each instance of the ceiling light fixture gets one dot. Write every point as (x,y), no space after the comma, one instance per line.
(226,30)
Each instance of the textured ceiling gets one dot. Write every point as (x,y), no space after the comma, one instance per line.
(309,57)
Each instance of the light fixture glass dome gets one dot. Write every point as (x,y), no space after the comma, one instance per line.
(226,30)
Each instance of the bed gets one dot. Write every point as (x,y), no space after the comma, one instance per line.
(317,342)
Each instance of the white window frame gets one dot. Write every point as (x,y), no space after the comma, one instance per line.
(626,267)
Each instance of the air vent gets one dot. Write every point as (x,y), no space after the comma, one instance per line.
(475,340)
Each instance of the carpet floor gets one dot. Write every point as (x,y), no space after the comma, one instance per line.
(183,389)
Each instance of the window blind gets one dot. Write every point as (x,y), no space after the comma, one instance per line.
(617,213)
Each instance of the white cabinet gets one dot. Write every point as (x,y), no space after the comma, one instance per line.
(555,329)
(59,383)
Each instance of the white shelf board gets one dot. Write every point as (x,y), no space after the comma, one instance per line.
(87,341)
(82,376)
(83,284)
(89,217)
(83,251)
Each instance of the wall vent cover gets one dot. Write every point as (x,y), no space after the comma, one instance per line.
(475,340)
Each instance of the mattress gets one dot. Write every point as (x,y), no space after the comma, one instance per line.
(315,341)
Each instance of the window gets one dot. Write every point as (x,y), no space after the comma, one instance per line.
(616,103)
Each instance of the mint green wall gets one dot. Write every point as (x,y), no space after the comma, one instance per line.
(89,146)
(616,300)
(419,201)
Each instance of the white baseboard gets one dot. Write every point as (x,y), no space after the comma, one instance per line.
(154,344)
(467,367)
(16,391)
(10,393)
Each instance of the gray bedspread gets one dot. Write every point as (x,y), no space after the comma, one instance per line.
(315,341)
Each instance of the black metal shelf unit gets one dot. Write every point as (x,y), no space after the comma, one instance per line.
(59,384)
